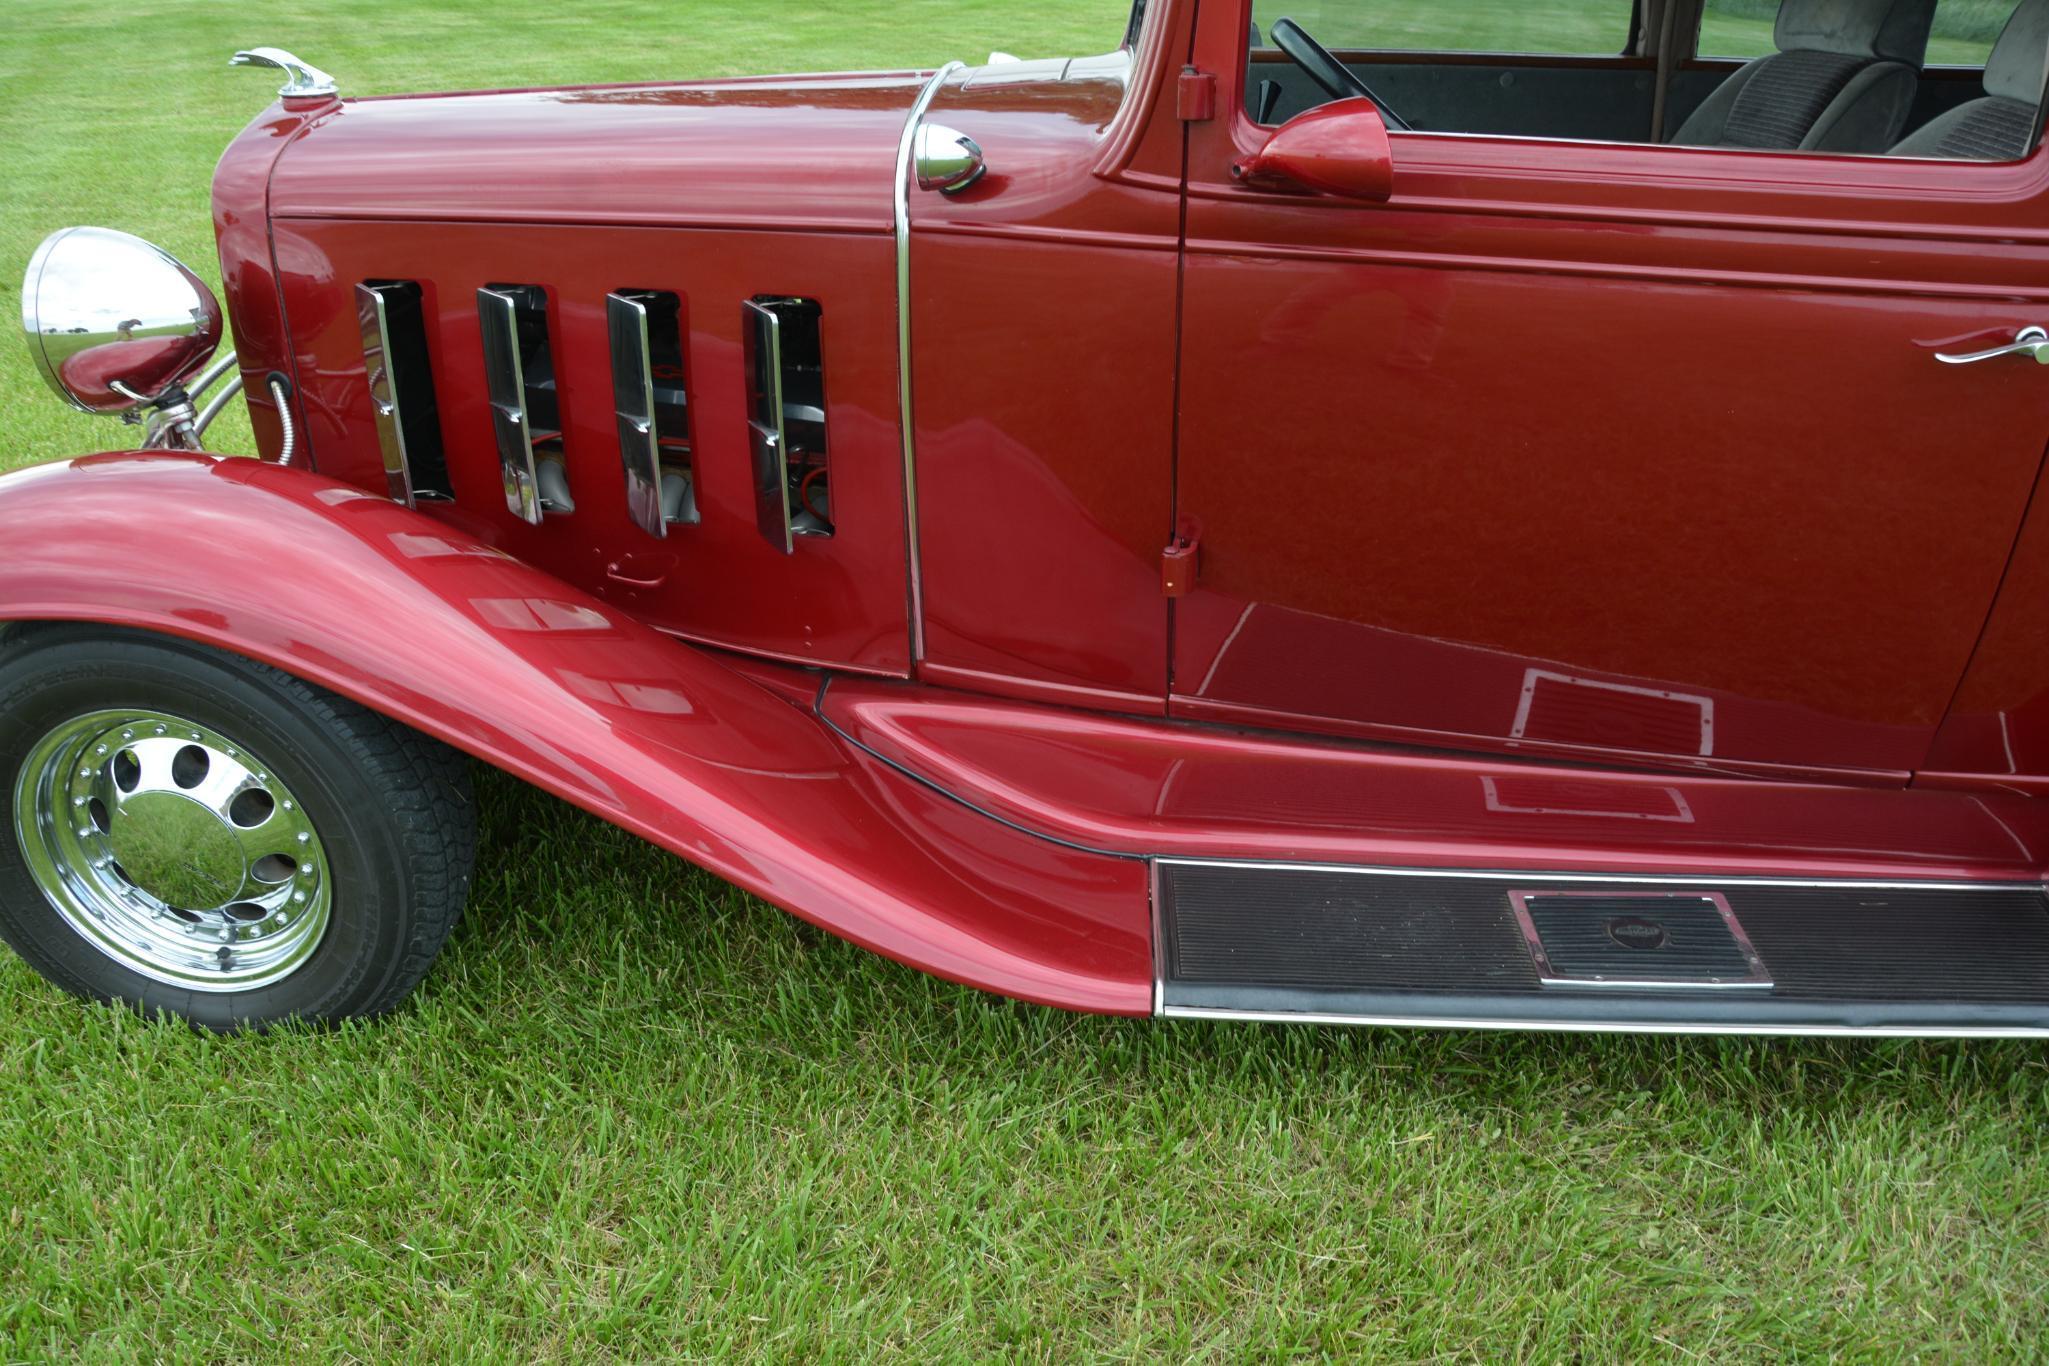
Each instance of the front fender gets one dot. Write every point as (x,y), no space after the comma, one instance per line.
(409,617)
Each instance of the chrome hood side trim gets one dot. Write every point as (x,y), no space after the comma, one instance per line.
(903,347)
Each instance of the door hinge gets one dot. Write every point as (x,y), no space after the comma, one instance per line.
(1195,98)
(1177,562)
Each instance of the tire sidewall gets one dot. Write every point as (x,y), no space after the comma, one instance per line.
(57,679)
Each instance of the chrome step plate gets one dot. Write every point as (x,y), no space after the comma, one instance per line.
(1545,951)
(1637,941)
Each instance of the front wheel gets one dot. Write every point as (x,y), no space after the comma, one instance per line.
(200,834)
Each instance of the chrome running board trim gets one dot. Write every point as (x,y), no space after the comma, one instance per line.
(1632,879)
(1603,1026)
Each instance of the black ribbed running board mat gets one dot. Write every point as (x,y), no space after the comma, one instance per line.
(1525,950)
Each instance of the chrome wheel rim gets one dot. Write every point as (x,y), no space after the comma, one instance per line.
(173,850)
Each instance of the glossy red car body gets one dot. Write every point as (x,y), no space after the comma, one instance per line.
(1581,506)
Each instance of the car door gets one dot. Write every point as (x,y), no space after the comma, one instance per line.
(1594,448)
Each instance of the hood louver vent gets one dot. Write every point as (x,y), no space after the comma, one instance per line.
(402,400)
(526,413)
(786,408)
(651,407)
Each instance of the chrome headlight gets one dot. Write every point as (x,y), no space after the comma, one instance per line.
(112,321)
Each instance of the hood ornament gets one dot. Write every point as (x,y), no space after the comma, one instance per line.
(303,80)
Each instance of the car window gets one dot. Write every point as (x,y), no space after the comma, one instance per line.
(1562,70)
(1562,27)
(1962,35)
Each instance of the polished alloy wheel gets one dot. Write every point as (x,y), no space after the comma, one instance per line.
(173,850)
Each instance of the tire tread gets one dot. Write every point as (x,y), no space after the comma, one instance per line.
(433,810)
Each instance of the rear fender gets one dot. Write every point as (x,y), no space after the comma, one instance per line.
(407,616)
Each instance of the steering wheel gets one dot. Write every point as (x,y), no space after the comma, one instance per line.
(1339,81)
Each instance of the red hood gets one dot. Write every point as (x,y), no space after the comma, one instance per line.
(801,151)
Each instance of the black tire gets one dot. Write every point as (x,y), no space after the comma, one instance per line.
(392,807)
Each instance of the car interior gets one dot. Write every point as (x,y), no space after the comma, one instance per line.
(1947,79)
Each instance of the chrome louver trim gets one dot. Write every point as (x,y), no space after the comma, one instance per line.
(375,323)
(903,347)
(505,383)
(633,407)
(767,427)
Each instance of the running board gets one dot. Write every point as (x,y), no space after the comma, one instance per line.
(1461,949)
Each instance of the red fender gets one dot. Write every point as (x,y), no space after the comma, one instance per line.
(403,614)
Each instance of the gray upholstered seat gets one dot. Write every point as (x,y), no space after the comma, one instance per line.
(1842,81)
(2000,124)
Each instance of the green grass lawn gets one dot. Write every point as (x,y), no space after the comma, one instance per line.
(634,1113)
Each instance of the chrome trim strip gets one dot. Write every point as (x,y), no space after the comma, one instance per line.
(1757,977)
(903,347)
(1678,879)
(1152,888)
(375,325)
(1604,1026)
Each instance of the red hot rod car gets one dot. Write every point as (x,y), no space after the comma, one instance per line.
(1259,523)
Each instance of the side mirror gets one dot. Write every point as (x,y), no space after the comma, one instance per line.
(113,322)
(1338,149)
